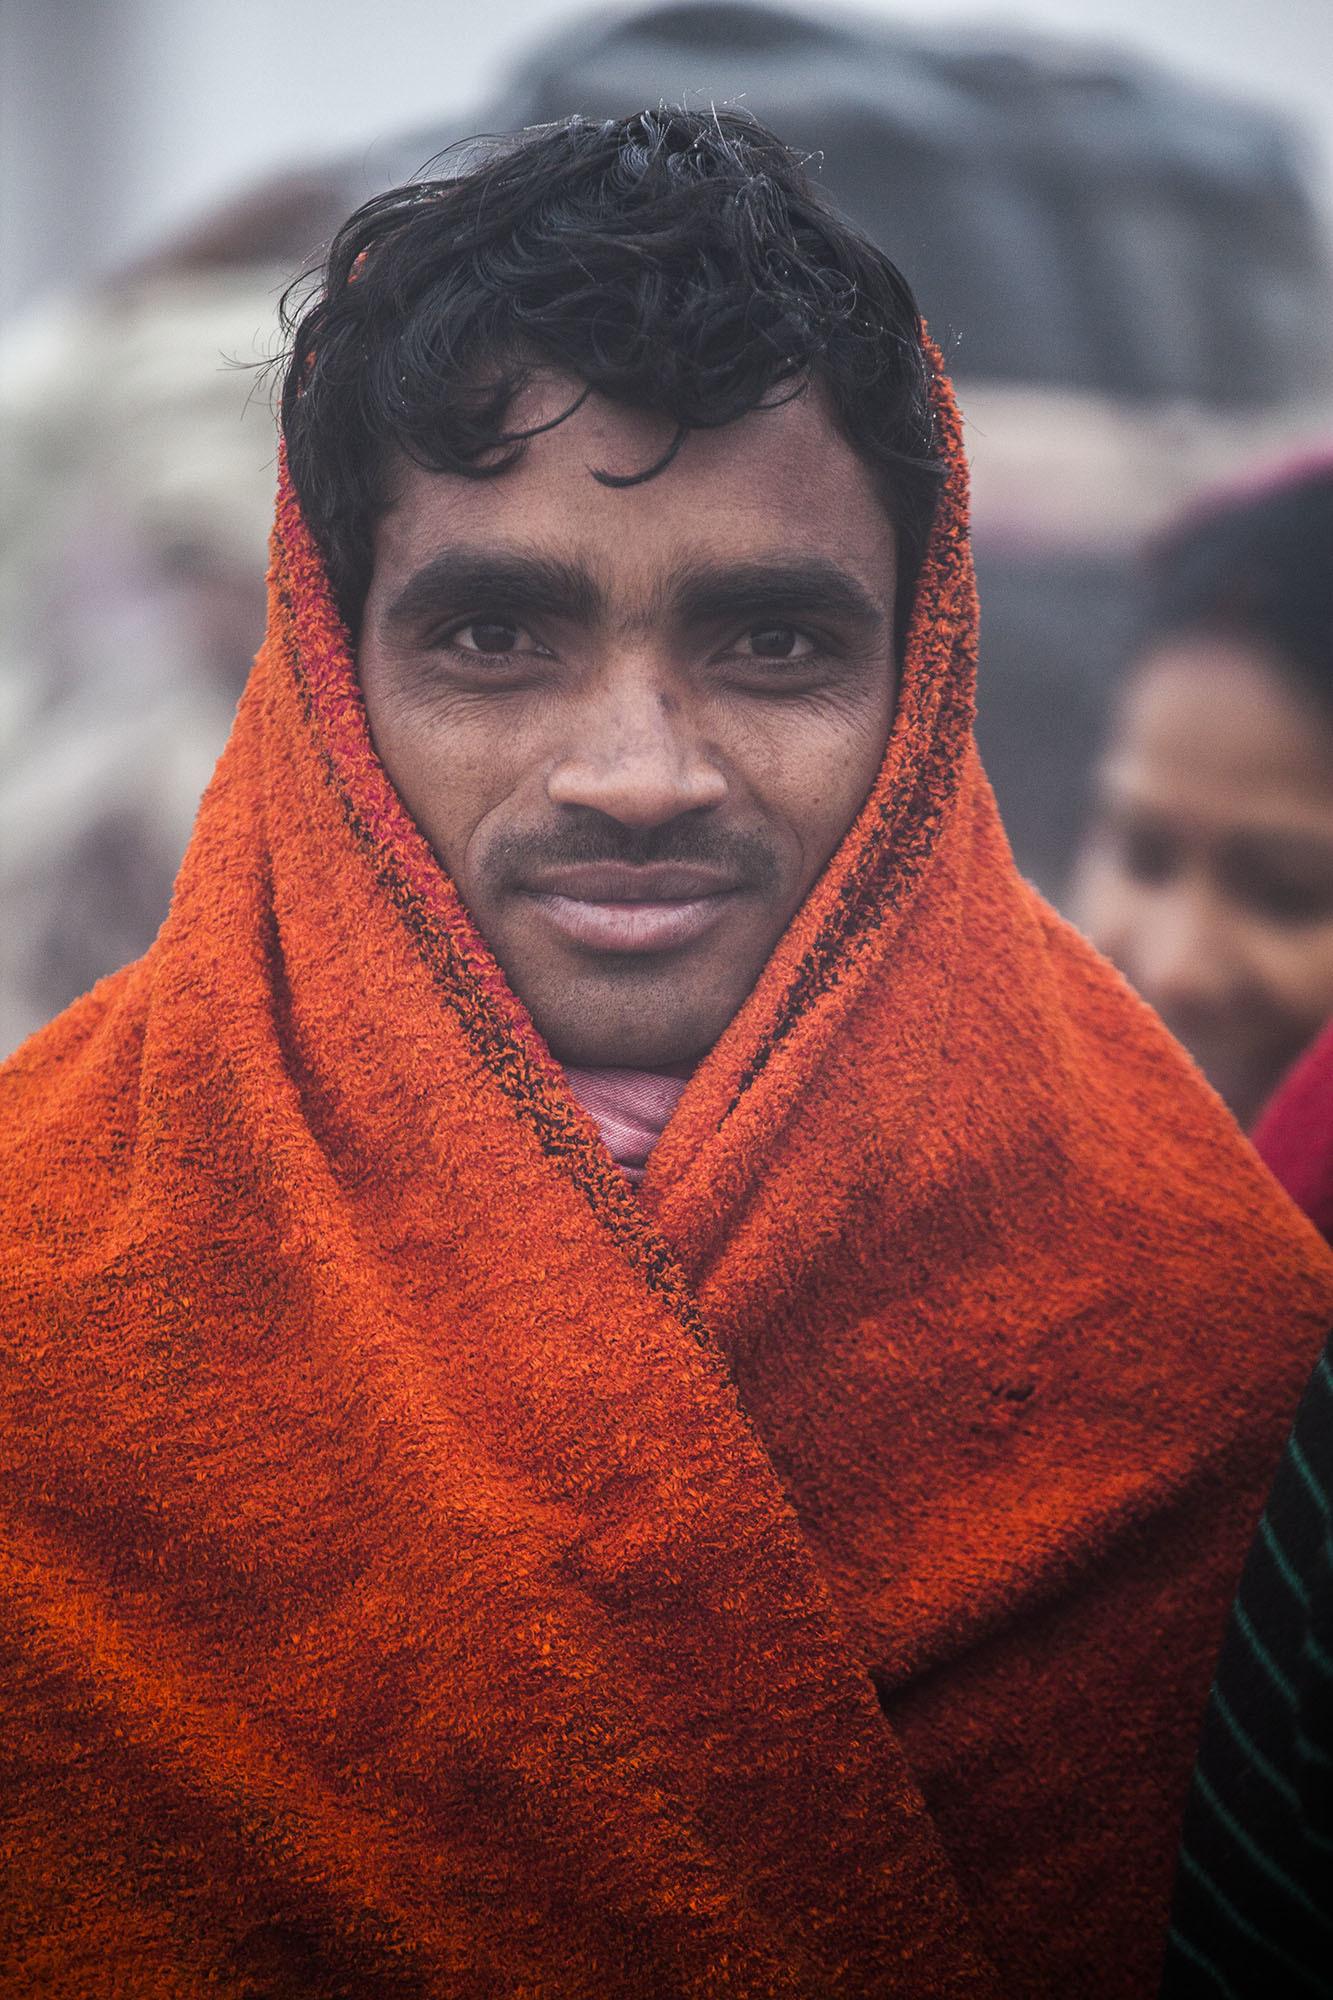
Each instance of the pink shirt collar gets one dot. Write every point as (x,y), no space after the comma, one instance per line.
(630,1108)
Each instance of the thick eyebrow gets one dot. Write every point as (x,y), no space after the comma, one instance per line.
(465,578)
(779,588)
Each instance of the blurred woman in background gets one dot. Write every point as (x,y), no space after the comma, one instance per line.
(1207,871)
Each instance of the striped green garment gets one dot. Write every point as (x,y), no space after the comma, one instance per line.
(1253,1912)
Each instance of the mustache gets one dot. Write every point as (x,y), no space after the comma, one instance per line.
(745,857)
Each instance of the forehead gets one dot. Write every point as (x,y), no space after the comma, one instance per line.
(1224,705)
(776,479)
(1215,725)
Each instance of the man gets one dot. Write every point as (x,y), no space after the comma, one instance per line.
(437,1564)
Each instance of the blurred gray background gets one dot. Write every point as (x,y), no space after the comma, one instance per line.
(121,118)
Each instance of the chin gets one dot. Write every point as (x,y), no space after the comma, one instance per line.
(646,1037)
(589,1048)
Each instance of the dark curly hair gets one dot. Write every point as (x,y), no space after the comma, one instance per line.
(1255,565)
(671,261)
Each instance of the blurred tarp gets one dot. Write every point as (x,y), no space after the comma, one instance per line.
(1127,273)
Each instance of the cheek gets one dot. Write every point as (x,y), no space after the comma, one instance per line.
(812,770)
(1106,904)
(449,776)
(1297,971)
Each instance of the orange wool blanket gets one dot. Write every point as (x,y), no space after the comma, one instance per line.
(430,1568)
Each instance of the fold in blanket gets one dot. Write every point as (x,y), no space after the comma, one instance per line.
(431,1567)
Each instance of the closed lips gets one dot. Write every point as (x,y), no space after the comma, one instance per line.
(630,909)
(629,882)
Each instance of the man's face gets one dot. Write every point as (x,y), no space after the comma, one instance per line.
(635,723)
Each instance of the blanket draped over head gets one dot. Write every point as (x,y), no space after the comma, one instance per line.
(432,1567)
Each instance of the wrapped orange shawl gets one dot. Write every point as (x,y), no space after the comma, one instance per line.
(430,1569)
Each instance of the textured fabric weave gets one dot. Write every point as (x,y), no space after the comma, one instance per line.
(431,1567)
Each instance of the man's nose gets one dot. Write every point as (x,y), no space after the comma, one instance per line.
(1187,963)
(637,757)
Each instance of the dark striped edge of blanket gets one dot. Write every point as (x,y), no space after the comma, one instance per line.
(1253,1911)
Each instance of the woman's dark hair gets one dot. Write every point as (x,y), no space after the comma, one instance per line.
(1257,566)
(672,261)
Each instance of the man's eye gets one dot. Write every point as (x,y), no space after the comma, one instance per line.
(1148,854)
(774,642)
(492,636)
(1279,892)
